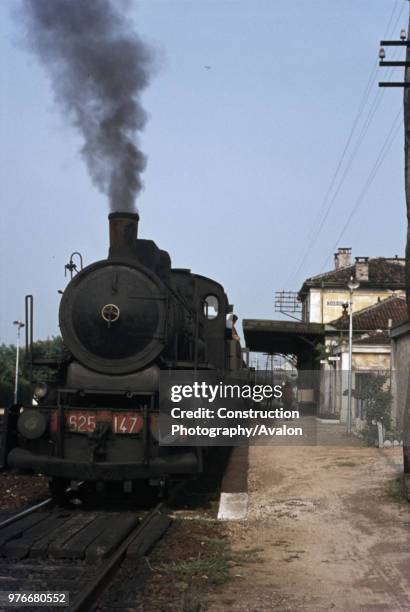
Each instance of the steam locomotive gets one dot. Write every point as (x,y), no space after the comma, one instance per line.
(123,320)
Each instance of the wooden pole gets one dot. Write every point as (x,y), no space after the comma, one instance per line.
(406,105)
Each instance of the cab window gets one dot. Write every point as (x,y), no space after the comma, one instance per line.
(211,307)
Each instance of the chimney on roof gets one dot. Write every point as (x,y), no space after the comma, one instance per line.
(343,257)
(362,269)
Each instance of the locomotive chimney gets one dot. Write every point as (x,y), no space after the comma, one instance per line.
(123,233)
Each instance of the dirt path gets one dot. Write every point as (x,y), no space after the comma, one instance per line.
(331,535)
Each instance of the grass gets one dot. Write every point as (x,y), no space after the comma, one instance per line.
(194,558)
(397,488)
(214,565)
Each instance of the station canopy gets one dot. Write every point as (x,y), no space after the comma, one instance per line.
(282,337)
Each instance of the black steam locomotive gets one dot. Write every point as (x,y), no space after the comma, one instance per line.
(123,320)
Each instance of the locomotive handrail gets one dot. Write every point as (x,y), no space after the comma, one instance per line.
(187,365)
(94,391)
(28,303)
(60,426)
(72,266)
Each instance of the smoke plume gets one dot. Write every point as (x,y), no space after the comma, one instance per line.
(98,68)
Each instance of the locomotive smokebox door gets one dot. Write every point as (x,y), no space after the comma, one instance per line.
(113,316)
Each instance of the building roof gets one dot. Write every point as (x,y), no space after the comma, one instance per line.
(287,337)
(376,317)
(383,273)
(373,339)
(402,329)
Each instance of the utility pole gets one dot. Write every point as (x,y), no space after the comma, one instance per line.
(406,102)
(403,42)
(352,285)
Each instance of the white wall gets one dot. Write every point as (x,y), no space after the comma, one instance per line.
(315,309)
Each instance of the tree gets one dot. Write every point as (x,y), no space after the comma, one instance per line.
(52,348)
(378,398)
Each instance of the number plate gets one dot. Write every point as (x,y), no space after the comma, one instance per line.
(85,421)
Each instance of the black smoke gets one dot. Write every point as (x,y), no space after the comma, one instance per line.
(98,67)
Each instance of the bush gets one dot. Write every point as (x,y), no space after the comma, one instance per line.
(377,397)
(370,434)
(52,348)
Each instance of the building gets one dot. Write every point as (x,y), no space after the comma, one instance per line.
(323,295)
(322,329)
(400,359)
(371,352)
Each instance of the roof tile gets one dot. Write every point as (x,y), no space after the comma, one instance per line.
(376,316)
(383,272)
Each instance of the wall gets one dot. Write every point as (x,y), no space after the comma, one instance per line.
(334,381)
(401,367)
(372,360)
(325,305)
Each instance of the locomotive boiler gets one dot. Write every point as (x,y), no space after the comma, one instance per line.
(122,320)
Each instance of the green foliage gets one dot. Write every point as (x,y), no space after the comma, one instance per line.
(394,434)
(373,389)
(370,434)
(215,564)
(52,348)
(322,351)
(397,488)
(7,370)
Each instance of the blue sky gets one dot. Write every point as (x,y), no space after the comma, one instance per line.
(239,156)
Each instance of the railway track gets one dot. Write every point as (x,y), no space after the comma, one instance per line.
(20,515)
(76,552)
(45,503)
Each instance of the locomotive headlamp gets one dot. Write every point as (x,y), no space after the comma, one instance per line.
(31,424)
(40,390)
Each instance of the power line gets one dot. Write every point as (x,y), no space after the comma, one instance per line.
(326,207)
(391,136)
(312,237)
(391,17)
(318,225)
(397,20)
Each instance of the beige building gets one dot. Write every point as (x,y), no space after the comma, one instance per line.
(322,334)
(371,352)
(323,296)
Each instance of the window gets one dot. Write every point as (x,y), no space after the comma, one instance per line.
(211,307)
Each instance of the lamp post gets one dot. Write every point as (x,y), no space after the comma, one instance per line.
(352,285)
(19,325)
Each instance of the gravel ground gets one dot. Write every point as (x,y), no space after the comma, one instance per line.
(19,490)
(331,528)
(326,530)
